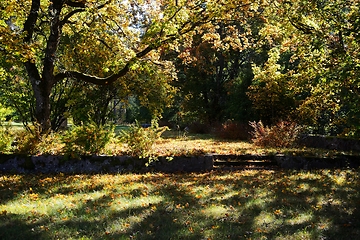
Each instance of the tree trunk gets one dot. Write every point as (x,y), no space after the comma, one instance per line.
(42,91)
(42,107)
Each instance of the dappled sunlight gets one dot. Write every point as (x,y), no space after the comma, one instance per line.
(267,221)
(217,205)
(215,212)
(299,218)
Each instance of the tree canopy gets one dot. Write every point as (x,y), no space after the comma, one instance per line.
(313,61)
(97,42)
(304,56)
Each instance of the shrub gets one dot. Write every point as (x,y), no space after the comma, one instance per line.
(233,130)
(87,139)
(283,134)
(140,140)
(26,141)
(6,139)
(50,144)
(30,141)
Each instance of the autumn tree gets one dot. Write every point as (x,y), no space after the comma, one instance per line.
(320,40)
(215,65)
(108,39)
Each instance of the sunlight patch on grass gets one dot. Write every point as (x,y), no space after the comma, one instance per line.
(299,235)
(300,218)
(215,211)
(340,180)
(267,221)
(226,196)
(125,224)
(51,205)
(121,204)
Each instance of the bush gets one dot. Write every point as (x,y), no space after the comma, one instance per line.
(50,144)
(140,140)
(87,139)
(6,139)
(284,134)
(233,131)
(26,141)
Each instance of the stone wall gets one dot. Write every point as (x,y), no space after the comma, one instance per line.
(307,163)
(101,164)
(332,143)
(122,164)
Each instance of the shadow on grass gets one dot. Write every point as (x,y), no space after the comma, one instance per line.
(216,205)
(13,226)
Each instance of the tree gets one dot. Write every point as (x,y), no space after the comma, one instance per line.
(271,91)
(107,38)
(216,67)
(321,40)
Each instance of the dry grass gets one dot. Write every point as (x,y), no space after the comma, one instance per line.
(174,143)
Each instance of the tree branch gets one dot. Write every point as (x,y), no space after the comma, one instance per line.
(185,28)
(29,24)
(107,80)
(302,27)
(80,8)
(80,4)
(70,14)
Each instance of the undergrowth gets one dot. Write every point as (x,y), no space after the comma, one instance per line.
(87,139)
(282,135)
(140,140)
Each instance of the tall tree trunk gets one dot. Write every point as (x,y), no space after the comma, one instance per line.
(42,90)
(43,84)
(42,107)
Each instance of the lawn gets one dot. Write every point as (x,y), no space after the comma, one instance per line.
(249,204)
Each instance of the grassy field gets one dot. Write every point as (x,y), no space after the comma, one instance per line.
(247,204)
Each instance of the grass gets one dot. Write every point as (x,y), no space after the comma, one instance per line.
(175,143)
(248,204)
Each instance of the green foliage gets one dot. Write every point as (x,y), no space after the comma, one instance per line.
(86,139)
(282,135)
(5,112)
(271,92)
(140,140)
(6,139)
(92,104)
(6,135)
(31,142)
(15,94)
(214,70)
(27,140)
(317,63)
(134,111)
